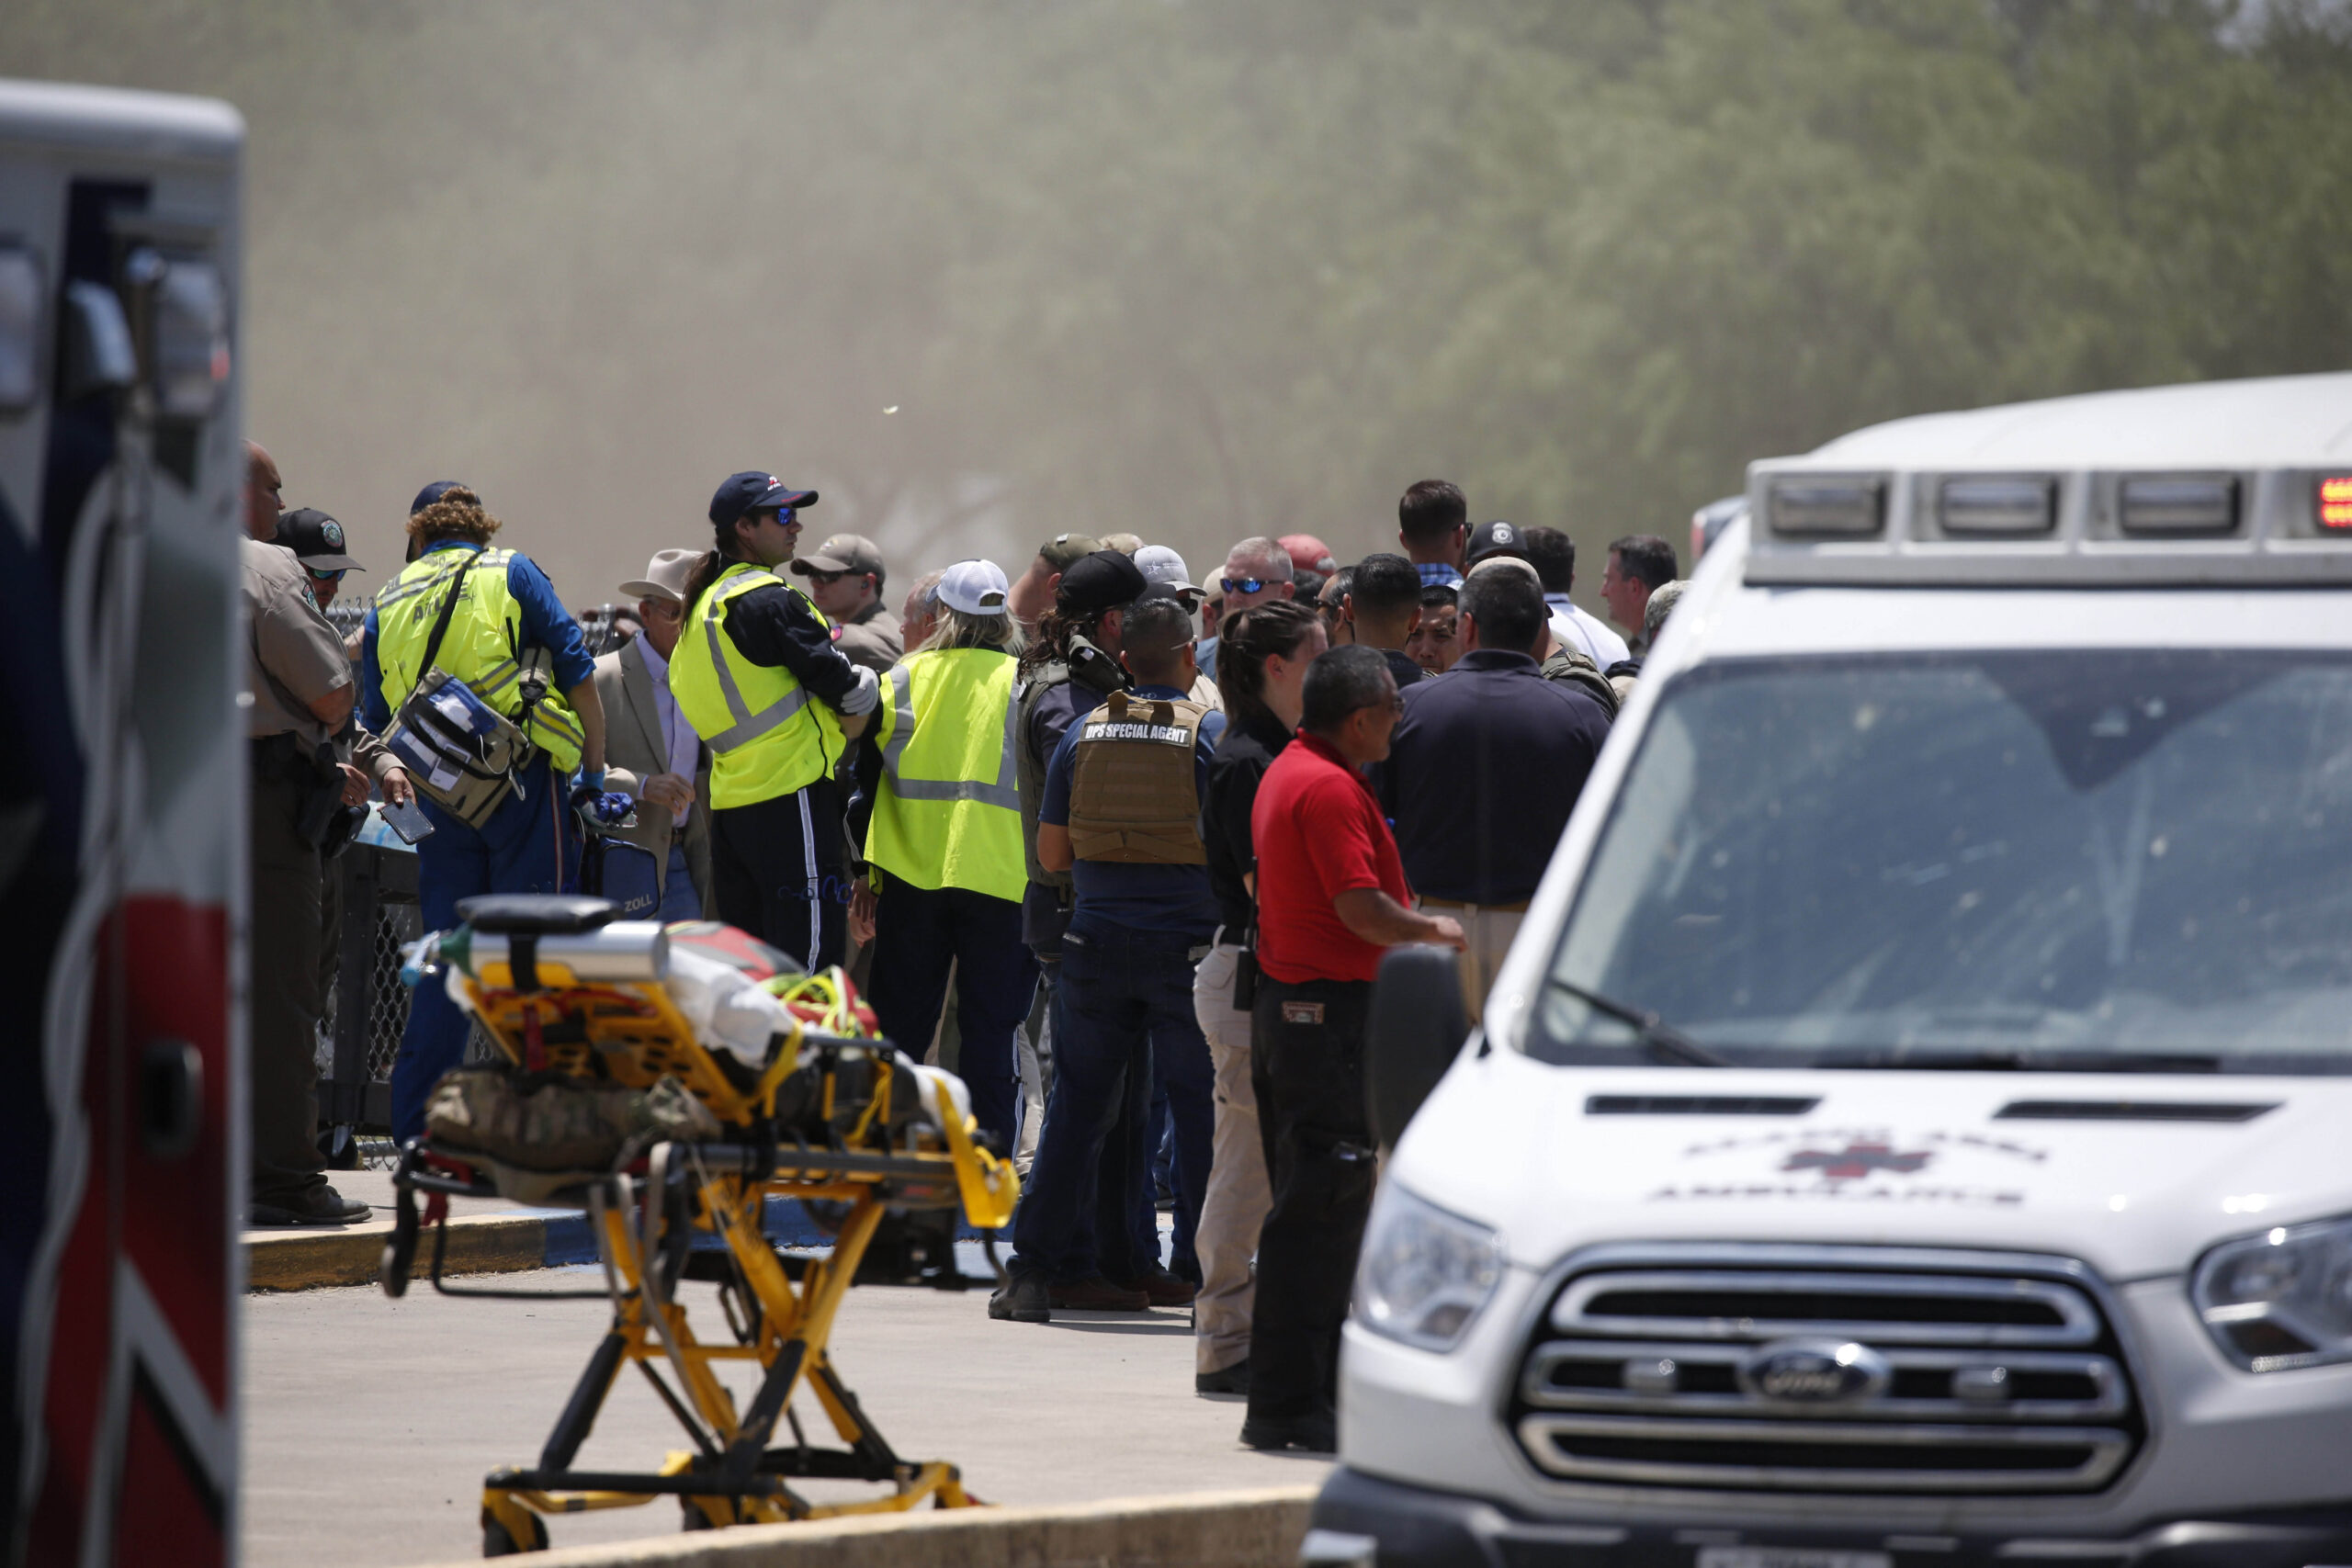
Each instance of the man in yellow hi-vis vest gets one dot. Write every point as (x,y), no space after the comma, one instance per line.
(756,674)
(503,615)
(945,842)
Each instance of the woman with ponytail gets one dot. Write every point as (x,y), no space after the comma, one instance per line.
(1262,654)
(756,674)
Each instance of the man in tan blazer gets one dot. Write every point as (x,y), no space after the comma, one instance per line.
(649,750)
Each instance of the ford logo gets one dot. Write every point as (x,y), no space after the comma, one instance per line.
(1814,1372)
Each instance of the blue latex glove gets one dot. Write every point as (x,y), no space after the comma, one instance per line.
(607,809)
(593,781)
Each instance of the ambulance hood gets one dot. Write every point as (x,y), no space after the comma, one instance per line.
(2135,1174)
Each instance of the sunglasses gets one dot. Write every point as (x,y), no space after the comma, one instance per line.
(318,576)
(829,578)
(1242,584)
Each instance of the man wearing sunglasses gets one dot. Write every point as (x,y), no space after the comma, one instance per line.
(1256,570)
(846,578)
(317,542)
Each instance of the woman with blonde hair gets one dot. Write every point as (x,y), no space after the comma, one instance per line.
(944,842)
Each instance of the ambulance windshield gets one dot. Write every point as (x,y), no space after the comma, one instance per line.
(2104,859)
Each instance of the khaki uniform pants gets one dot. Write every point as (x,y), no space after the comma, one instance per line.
(1490,932)
(1238,1194)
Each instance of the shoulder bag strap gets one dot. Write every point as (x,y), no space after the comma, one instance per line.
(441,625)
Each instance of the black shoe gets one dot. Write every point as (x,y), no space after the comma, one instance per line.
(1315,1434)
(1160,1288)
(1021,1301)
(320,1205)
(1234,1379)
(1097,1294)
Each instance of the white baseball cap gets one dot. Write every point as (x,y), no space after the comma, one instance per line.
(1159,564)
(974,587)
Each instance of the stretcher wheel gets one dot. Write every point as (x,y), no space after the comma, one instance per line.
(497,1541)
(400,1248)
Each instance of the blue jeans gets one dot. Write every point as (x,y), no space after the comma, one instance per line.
(681,900)
(528,846)
(1182,1113)
(1123,992)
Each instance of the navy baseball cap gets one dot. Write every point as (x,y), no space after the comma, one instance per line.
(433,493)
(755,490)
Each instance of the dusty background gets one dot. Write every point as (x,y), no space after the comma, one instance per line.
(1197,269)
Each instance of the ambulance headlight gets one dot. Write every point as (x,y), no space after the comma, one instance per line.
(1425,1273)
(2280,1300)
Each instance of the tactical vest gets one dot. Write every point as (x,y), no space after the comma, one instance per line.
(1573,669)
(948,811)
(483,645)
(766,738)
(1134,793)
(1029,764)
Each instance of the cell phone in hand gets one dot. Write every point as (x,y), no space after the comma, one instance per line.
(408,819)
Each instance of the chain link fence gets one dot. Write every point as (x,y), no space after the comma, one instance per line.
(377,888)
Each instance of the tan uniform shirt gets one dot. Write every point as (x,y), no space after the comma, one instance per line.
(873,639)
(293,656)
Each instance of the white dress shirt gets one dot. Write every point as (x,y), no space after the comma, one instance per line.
(1588,635)
(678,737)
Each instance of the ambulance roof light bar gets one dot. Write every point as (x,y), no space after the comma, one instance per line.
(2246,482)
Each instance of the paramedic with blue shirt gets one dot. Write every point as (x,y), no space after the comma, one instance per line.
(1122,814)
(506,619)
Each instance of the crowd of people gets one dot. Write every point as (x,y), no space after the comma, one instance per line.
(1124,848)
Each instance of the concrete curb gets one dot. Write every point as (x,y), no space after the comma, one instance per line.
(1258,1528)
(499,1243)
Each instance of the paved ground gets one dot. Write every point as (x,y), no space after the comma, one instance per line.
(369,1422)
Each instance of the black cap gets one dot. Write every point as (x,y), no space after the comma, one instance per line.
(433,493)
(1498,539)
(317,538)
(755,490)
(1103,581)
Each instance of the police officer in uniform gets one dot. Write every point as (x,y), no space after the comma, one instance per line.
(1121,812)
(753,652)
(504,633)
(298,694)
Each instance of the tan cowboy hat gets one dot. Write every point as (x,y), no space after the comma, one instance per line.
(665,576)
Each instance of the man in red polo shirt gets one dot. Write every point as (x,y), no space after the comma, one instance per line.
(1332,898)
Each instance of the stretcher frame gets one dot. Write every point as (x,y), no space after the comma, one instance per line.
(781,1310)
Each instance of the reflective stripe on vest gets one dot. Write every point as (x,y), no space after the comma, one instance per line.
(948,811)
(766,739)
(479,648)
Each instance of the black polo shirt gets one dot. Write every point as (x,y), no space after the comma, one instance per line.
(1243,754)
(1484,768)
(1401,665)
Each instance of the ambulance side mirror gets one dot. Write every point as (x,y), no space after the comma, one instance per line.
(1418,1025)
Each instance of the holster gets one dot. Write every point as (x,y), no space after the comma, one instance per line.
(1245,974)
(319,780)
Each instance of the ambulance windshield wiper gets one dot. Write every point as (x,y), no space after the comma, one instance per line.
(1665,1042)
(2014,1059)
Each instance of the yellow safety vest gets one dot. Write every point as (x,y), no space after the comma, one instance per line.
(948,812)
(482,647)
(766,738)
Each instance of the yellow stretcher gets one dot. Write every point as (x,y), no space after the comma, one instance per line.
(827,1120)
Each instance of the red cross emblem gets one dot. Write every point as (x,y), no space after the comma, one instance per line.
(1857,1160)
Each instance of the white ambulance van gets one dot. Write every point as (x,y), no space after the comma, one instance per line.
(1914,1127)
(123,823)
